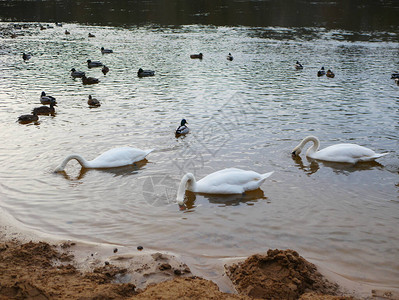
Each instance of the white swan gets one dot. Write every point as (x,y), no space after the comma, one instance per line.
(113,158)
(346,153)
(227,181)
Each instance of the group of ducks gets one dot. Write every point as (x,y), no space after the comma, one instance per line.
(230,180)
(320,73)
(92,64)
(42,110)
(92,102)
(49,110)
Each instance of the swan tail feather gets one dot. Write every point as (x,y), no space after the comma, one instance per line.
(148,151)
(266,175)
(371,158)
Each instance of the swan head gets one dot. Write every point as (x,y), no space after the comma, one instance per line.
(297,150)
(186,182)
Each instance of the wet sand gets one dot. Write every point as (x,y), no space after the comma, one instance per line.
(43,267)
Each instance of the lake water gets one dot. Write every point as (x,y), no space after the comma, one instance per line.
(247,113)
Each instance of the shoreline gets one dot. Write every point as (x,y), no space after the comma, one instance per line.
(149,267)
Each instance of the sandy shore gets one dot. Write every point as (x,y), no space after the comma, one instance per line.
(44,267)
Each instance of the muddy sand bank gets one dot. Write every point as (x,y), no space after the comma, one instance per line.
(43,267)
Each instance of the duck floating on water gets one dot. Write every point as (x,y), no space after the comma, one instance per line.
(89,80)
(117,157)
(94,64)
(25,119)
(330,74)
(93,102)
(91,35)
(345,153)
(298,65)
(229,57)
(67,32)
(145,73)
(105,70)
(45,110)
(44,99)
(321,72)
(26,56)
(77,74)
(182,129)
(227,181)
(106,51)
(200,55)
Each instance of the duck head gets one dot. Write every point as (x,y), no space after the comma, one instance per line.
(183,122)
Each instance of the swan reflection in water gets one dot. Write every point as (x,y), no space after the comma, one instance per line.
(339,168)
(249,197)
(118,171)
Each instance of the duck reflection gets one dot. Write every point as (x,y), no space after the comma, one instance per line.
(338,167)
(225,200)
(119,171)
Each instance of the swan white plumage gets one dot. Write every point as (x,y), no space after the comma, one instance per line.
(345,153)
(227,181)
(113,158)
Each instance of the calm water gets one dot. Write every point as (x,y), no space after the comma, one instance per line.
(248,113)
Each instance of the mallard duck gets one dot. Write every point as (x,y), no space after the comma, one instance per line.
(182,129)
(227,181)
(345,153)
(145,73)
(93,102)
(89,80)
(45,110)
(94,64)
(77,74)
(67,32)
(26,56)
(298,65)
(117,157)
(395,75)
(230,57)
(200,55)
(44,99)
(330,73)
(25,119)
(91,35)
(105,70)
(321,72)
(105,51)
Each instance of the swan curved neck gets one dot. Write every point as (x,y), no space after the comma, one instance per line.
(314,148)
(80,159)
(187,182)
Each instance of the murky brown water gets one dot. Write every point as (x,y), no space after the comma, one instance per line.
(248,113)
